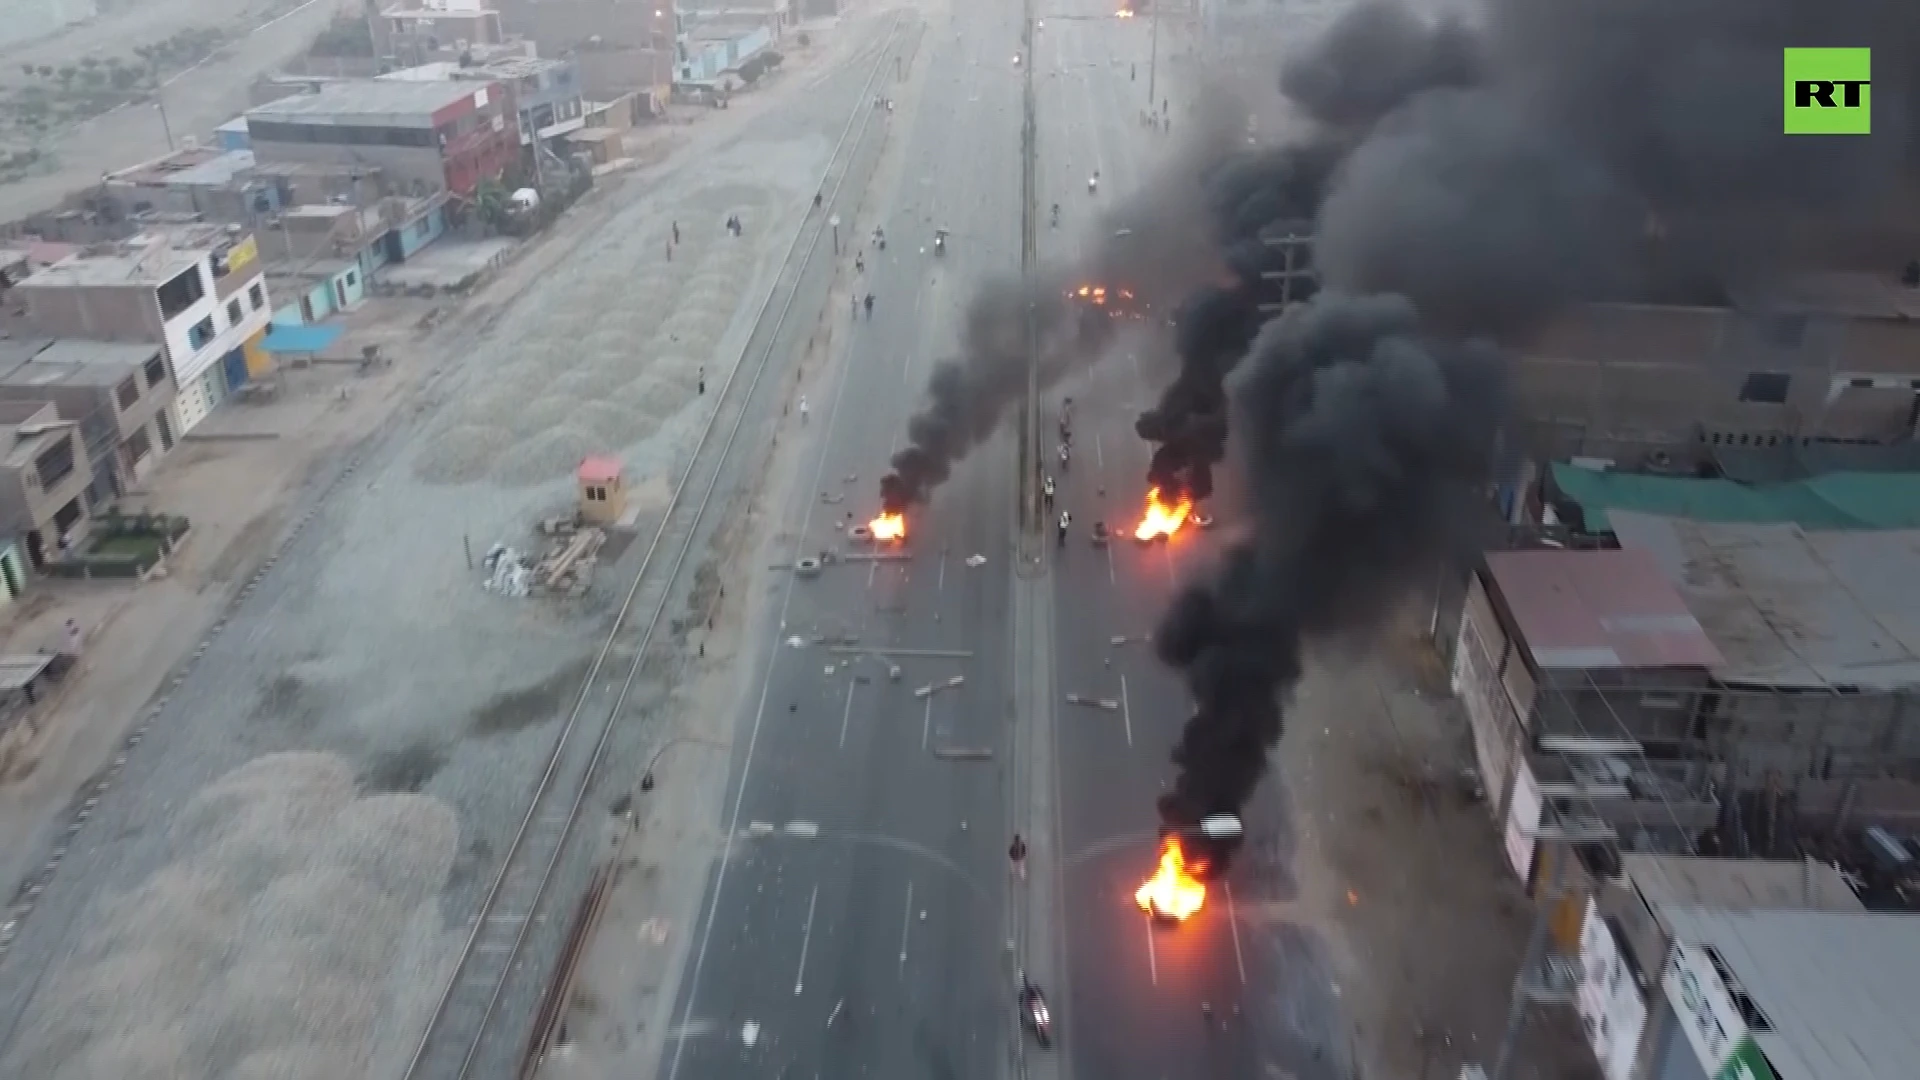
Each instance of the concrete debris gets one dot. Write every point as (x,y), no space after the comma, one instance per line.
(1093,703)
(829,497)
(507,572)
(976,561)
(963,753)
(796,642)
(831,669)
(568,566)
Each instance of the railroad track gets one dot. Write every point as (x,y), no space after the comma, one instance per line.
(466,1018)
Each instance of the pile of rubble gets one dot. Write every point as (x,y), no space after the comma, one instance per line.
(566,569)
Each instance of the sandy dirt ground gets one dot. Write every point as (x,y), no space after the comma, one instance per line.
(1428,922)
(282,810)
(261,36)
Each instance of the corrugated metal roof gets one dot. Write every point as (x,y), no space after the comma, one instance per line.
(1837,990)
(1790,608)
(1837,500)
(1680,881)
(364,99)
(1599,609)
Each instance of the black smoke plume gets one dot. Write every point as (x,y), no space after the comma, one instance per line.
(1367,443)
(967,396)
(1483,178)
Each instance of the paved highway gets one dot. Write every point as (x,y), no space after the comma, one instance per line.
(873,946)
(1133,1003)
(858,926)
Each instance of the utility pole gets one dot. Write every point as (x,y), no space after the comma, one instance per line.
(1153,54)
(160,102)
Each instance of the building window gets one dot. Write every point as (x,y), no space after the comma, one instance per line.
(156,371)
(353,279)
(54,465)
(421,229)
(180,294)
(138,446)
(1766,388)
(256,296)
(234,311)
(128,393)
(200,333)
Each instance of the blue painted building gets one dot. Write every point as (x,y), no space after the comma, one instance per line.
(706,54)
(323,284)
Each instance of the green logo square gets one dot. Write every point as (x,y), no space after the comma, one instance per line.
(1829,91)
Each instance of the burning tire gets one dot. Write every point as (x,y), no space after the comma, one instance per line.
(808,567)
(860,534)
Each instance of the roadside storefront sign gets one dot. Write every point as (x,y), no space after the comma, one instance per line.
(1719,1036)
(1609,1002)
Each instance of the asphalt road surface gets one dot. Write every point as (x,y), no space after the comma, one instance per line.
(1238,990)
(859,925)
(868,938)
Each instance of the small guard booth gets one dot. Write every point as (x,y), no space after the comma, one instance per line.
(603,491)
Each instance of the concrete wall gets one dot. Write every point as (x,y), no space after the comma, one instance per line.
(415,235)
(1608,379)
(100,313)
(401,165)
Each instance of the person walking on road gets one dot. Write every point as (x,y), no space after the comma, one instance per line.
(676,232)
(703,379)
(1017,852)
(869,303)
(803,410)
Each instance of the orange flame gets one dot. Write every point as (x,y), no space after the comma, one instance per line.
(889,527)
(1161,519)
(1173,892)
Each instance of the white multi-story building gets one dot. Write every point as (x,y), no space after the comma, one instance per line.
(198,291)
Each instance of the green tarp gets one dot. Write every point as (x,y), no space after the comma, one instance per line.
(1836,501)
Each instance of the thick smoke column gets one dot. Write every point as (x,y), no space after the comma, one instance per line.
(968,395)
(1367,445)
(1482,179)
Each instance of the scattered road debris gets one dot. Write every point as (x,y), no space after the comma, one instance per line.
(931,688)
(1093,703)
(963,753)
(975,562)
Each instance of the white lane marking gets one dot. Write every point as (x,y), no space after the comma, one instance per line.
(941,586)
(1166,554)
(1233,923)
(926,723)
(806,938)
(1099,458)
(753,735)
(1111,580)
(1126,709)
(872,569)
(1153,962)
(906,927)
(846,714)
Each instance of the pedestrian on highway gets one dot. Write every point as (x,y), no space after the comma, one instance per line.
(703,378)
(803,410)
(816,200)
(1017,851)
(676,232)
(859,263)
(869,303)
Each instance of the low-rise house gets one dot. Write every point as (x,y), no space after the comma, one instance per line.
(44,475)
(322,258)
(117,393)
(413,33)
(198,292)
(1584,677)
(211,183)
(545,91)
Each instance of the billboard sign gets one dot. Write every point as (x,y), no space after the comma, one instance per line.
(1609,1002)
